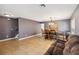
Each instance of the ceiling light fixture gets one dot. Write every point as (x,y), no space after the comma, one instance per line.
(51,21)
(43,5)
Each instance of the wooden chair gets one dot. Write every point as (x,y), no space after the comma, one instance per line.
(46,34)
(52,34)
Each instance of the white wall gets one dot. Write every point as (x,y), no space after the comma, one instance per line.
(76,16)
(72,24)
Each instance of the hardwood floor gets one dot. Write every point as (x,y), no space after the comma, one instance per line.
(32,46)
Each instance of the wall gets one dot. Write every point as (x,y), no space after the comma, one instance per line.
(8,27)
(75,16)
(72,24)
(63,25)
(3,27)
(28,27)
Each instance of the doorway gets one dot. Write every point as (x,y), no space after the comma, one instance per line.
(13,27)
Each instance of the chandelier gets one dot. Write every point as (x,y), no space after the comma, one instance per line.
(52,25)
(52,22)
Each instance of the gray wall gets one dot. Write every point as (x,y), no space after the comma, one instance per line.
(75,16)
(3,27)
(28,28)
(24,27)
(8,27)
(63,25)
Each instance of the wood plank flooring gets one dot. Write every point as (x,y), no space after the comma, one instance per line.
(32,46)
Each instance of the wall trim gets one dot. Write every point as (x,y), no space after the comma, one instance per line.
(20,38)
(6,39)
(30,36)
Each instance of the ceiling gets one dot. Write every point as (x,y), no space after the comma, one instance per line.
(38,13)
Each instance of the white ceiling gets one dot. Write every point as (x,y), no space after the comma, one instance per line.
(38,13)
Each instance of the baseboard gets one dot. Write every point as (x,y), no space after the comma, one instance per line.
(20,38)
(6,39)
(29,36)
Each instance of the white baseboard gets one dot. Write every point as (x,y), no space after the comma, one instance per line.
(6,39)
(20,38)
(29,36)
